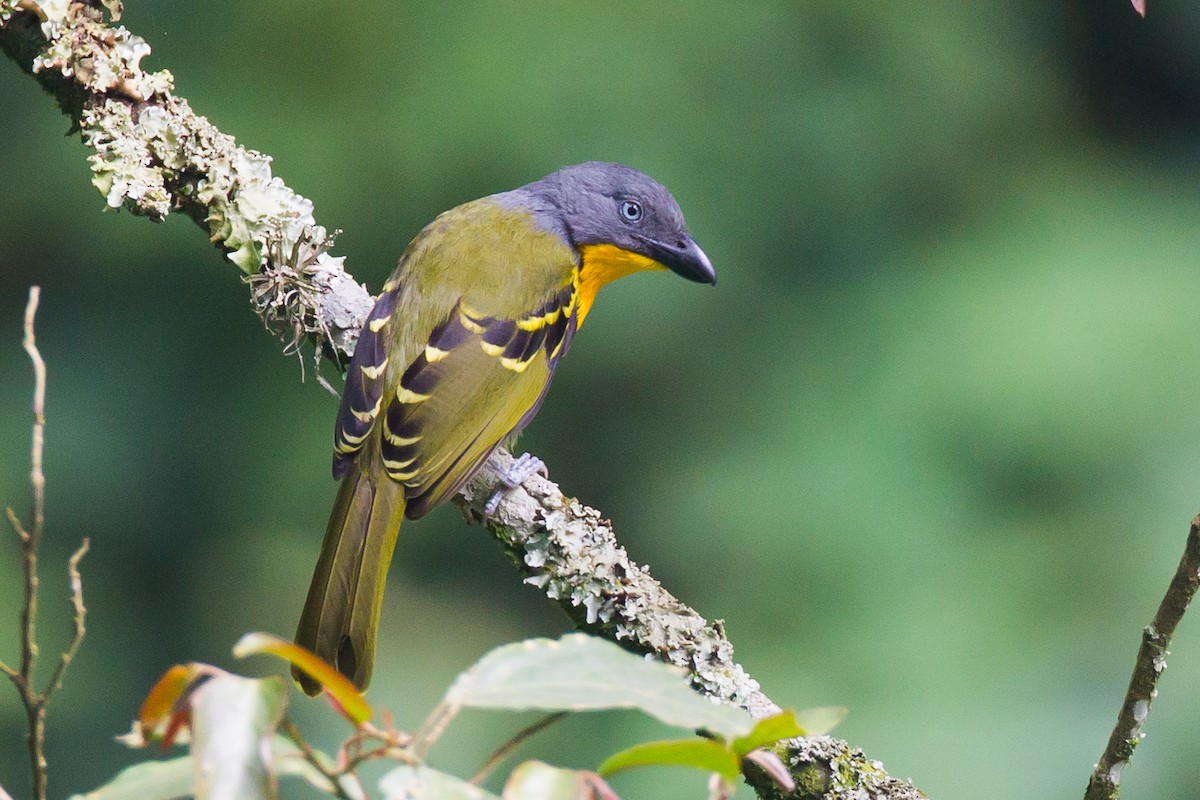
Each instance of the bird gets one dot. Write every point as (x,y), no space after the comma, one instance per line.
(455,359)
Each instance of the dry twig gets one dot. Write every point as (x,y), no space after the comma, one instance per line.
(36,702)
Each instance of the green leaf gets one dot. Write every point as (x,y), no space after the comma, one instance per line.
(348,700)
(821,720)
(174,778)
(584,673)
(702,754)
(768,730)
(535,780)
(150,780)
(232,720)
(423,783)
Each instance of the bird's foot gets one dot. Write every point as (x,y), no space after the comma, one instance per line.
(524,467)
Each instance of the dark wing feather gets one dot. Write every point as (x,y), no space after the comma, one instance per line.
(365,381)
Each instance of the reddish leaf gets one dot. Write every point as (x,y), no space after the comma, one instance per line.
(342,695)
(774,767)
(164,702)
(599,786)
(178,721)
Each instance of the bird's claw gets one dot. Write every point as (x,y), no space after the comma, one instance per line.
(521,469)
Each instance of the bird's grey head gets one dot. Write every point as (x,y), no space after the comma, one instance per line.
(602,203)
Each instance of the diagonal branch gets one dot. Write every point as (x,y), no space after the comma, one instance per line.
(569,551)
(153,155)
(1105,783)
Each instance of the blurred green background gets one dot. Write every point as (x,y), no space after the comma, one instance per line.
(930,447)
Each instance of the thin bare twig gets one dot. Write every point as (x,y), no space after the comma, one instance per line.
(30,539)
(68,655)
(1105,783)
(35,709)
(505,750)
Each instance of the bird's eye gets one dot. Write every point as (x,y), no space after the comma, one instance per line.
(631,211)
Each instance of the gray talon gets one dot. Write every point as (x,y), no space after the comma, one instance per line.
(517,473)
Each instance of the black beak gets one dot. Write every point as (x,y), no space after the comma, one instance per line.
(683,258)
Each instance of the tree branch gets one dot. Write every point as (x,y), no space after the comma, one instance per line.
(153,155)
(570,552)
(1105,783)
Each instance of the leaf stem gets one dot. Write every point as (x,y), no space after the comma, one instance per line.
(506,749)
(334,777)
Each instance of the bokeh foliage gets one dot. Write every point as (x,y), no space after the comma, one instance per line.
(929,447)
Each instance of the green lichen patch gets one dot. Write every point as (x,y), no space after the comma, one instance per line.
(123,168)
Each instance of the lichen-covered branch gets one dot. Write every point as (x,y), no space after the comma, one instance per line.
(570,552)
(152,156)
(1105,783)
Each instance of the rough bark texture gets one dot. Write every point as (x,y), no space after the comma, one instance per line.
(153,156)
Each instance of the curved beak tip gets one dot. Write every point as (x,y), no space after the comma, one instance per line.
(692,263)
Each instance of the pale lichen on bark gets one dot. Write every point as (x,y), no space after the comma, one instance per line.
(154,156)
(570,552)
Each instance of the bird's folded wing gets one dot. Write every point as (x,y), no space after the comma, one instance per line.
(478,379)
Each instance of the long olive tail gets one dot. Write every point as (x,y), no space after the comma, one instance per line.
(341,614)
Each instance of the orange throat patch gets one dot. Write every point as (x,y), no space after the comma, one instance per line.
(604,263)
